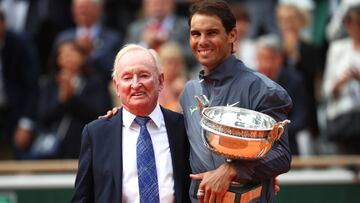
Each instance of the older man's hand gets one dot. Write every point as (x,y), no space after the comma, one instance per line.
(215,183)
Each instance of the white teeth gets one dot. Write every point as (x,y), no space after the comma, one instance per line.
(138,94)
(204,51)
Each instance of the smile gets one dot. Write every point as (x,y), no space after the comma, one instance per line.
(205,51)
(138,94)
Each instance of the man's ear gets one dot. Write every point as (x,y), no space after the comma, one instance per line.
(232,35)
(116,87)
(161,81)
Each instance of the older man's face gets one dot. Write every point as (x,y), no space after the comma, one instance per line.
(138,82)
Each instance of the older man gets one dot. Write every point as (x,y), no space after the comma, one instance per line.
(141,153)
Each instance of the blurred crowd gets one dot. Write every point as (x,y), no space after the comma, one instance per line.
(57,57)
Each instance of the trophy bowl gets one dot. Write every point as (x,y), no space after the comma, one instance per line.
(238,133)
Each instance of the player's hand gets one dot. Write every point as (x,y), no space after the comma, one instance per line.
(215,183)
(110,113)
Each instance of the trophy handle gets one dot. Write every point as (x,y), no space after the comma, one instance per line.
(202,101)
(203,139)
(278,130)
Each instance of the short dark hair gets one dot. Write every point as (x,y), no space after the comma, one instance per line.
(217,8)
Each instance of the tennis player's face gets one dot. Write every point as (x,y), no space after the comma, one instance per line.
(209,41)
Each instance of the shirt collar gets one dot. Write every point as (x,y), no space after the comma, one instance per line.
(93,30)
(224,70)
(156,116)
(167,23)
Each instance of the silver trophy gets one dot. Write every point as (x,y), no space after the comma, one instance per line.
(238,133)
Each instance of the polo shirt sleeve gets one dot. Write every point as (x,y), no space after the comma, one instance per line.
(273,100)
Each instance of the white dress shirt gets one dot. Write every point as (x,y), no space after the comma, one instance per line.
(158,134)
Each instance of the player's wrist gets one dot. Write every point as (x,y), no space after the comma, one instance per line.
(231,170)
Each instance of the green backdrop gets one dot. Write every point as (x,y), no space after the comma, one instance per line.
(318,193)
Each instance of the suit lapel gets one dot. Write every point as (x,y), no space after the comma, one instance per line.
(116,154)
(170,125)
(173,134)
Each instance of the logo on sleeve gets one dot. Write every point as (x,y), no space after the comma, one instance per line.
(234,104)
(192,109)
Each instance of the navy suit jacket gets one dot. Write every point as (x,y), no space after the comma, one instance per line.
(99,177)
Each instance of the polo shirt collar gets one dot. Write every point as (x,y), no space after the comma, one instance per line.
(225,70)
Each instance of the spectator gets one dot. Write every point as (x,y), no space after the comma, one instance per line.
(335,29)
(270,62)
(44,21)
(72,97)
(99,43)
(18,89)
(262,17)
(306,8)
(160,24)
(301,55)
(342,86)
(15,13)
(174,68)
(119,14)
(244,46)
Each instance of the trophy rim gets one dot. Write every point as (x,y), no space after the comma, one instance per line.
(237,109)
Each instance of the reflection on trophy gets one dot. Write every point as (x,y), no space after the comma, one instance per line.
(238,133)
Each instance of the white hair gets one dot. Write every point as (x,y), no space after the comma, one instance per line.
(133,47)
(269,41)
